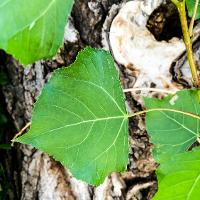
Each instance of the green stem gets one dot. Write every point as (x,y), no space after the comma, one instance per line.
(188,43)
(163,109)
(193,18)
(20,132)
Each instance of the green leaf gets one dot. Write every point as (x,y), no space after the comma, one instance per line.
(32,30)
(179,177)
(190,6)
(173,132)
(80,118)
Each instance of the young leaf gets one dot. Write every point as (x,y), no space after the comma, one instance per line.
(190,6)
(80,118)
(179,177)
(32,30)
(173,132)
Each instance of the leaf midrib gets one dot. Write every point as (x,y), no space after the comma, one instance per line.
(83,122)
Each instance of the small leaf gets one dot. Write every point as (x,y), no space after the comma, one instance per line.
(173,132)
(179,177)
(32,30)
(80,118)
(190,6)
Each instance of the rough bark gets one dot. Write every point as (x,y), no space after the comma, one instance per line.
(39,176)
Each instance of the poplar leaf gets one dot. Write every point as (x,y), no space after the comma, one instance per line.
(80,118)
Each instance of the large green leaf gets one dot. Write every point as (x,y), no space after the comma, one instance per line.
(80,118)
(190,6)
(179,177)
(173,132)
(32,30)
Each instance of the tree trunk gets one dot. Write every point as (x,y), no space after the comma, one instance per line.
(38,176)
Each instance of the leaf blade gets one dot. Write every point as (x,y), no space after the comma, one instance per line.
(85,99)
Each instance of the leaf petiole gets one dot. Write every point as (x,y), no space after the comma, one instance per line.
(19,133)
(193,18)
(163,109)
